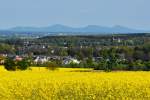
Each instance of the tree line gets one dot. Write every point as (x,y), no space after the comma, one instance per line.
(131,53)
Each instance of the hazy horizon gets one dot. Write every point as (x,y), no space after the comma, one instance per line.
(78,13)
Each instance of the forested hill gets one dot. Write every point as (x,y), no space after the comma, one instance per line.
(96,40)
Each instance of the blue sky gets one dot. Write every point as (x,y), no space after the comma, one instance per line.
(75,13)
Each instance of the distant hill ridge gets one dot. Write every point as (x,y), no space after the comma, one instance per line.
(87,29)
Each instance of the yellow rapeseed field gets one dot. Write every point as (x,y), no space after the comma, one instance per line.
(73,84)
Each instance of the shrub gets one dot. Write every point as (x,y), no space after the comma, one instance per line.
(147,66)
(102,65)
(10,64)
(51,65)
(23,65)
(120,66)
(137,65)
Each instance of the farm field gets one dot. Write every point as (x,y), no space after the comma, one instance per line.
(73,84)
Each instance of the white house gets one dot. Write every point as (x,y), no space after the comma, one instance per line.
(70,60)
(40,60)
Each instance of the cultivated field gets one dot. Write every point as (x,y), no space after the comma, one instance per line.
(73,84)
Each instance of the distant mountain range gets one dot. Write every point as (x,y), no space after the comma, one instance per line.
(88,29)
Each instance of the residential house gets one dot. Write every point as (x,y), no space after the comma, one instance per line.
(69,60)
